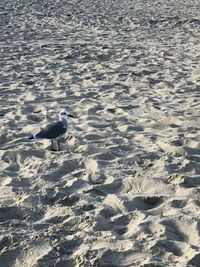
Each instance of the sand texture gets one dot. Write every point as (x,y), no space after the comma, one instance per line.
(124,190)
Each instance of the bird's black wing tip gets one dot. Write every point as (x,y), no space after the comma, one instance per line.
(32,137)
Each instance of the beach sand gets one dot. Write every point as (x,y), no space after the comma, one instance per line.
(124,191)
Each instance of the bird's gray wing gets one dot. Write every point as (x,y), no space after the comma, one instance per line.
(52,131)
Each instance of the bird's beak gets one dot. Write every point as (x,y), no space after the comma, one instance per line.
(70,115)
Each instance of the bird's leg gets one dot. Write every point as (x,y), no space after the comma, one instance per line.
(52,144)
(58,145)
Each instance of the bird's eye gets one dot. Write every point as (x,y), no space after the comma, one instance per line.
(63,113)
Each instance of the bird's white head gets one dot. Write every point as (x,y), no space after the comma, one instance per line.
(64,114)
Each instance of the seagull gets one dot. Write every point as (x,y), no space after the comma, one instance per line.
(54,131)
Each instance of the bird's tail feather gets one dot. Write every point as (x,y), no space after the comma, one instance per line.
(33,137)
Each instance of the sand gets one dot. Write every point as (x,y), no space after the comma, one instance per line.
(124,191)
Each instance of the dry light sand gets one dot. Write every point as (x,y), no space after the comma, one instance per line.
(124,191)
